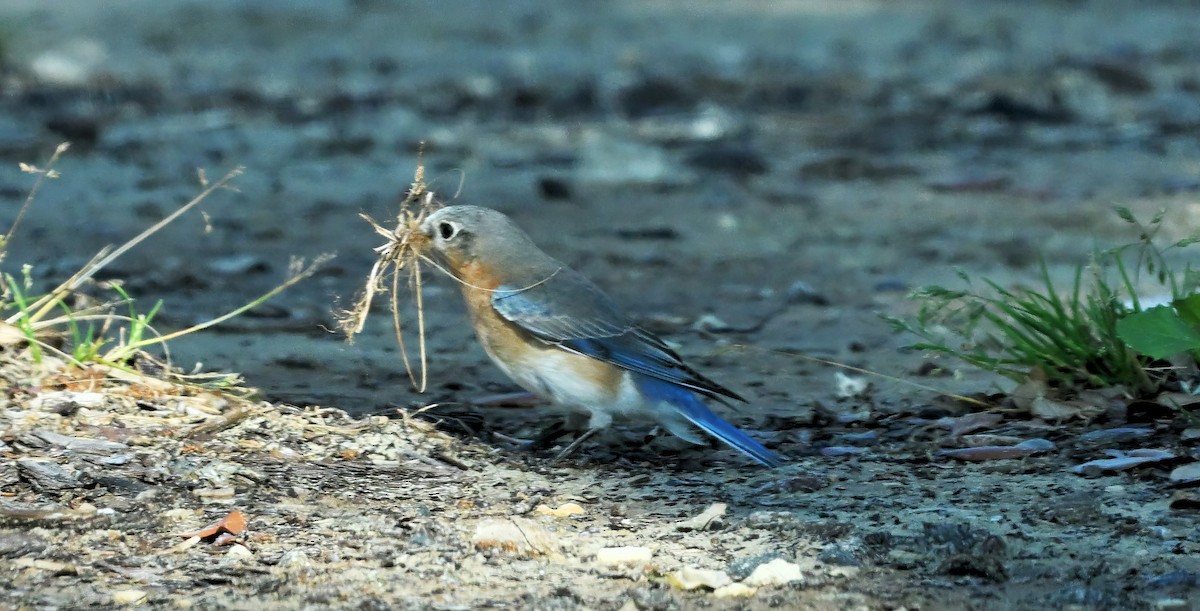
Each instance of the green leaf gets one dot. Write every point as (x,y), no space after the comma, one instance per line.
(1158,332)
(1189,309)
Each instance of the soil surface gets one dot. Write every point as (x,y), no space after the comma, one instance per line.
(754,181)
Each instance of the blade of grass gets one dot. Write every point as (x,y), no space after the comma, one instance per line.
(301,273)
(46,303)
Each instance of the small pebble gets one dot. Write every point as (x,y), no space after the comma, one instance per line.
(129,597)
(294,559)
(1186,473)
(774,573)
(632,555)
(237,551)
(514,535)
(801,292)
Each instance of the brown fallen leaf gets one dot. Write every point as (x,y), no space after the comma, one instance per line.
(223,531)
(1052,410)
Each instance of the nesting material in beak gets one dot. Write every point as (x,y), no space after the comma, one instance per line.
(404,248)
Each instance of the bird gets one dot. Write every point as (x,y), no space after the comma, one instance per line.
(560,337)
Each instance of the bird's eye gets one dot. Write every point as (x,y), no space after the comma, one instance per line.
(447,230)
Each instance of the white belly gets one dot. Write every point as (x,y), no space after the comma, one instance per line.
(555,376)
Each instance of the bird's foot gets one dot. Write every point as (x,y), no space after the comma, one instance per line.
(574,445)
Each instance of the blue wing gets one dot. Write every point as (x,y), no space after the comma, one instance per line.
(569,311)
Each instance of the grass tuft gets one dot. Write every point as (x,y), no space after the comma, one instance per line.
(1077,336)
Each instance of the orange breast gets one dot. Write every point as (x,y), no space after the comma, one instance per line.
(530,362)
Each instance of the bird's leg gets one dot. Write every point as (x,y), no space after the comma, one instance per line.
(547,437)
(575,422)
(574,445)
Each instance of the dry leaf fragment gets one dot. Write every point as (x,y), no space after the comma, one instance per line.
(705,520)
(223,531)
(985,453)
(970,422)
(691,578)
(1058,411)
(1034,396)
(1121,461)
(1115,435)
(187,543)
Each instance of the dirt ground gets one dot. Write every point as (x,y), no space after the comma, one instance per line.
(752,180)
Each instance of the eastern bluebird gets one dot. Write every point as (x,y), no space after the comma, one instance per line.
(560,337)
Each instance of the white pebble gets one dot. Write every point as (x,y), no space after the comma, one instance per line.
(630,554)
(774,573)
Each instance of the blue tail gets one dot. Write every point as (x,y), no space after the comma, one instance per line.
(698,414)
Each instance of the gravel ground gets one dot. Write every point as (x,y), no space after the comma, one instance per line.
(755,181)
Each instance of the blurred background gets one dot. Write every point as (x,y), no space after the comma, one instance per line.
(781,171)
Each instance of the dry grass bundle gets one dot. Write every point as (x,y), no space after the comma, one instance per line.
(402,251)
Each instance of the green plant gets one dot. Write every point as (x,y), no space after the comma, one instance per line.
(97,332)
(1163,331)
(1077,337)
(1071,338)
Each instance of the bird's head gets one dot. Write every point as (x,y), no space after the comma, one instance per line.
(457,236)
